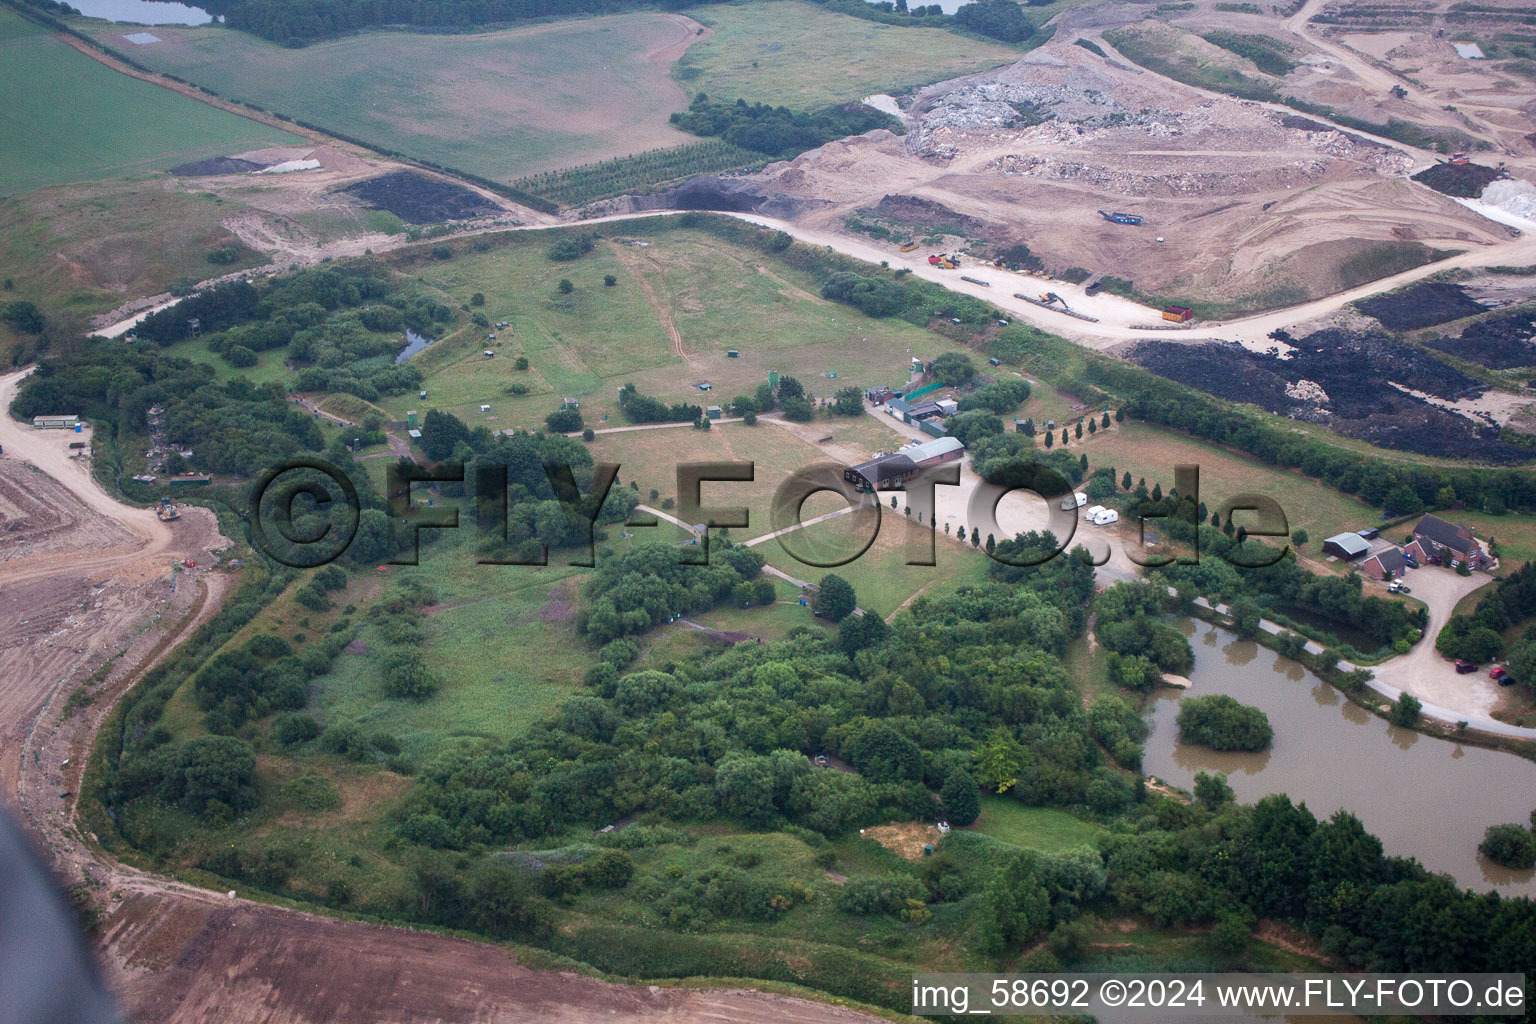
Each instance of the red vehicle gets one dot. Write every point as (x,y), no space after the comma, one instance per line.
(1498,672)
(1463,666)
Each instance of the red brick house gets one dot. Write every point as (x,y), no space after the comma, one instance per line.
(1386,564)
(1434,539)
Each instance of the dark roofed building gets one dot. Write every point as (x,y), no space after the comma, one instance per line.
(1434,539)
(1386,564)
(887,472)
(1346,546)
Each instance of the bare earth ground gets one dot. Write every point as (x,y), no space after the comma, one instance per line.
(84,579)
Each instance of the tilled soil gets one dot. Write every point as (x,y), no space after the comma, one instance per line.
(1423,305)
(1357,384)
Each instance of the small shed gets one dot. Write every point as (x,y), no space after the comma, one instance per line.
(485,408)
(569,403)
(712,412)
(1346,546)
(56,422)
(413,434)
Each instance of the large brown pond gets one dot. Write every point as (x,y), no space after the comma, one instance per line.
(1426,798)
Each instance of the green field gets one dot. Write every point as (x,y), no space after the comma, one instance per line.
(68,118)
(1038,828)
(802,56)
(500,104)
(716,296)
(1152,452)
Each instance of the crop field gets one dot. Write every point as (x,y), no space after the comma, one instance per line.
(500,104)
(796,54)
(59,127)
(1152,452)
(683,292)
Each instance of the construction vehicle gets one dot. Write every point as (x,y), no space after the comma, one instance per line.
(167,511)
(909,247)
(1457,159)
(1120,218)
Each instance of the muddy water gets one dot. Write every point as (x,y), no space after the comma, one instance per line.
(413,343)
(1425,798)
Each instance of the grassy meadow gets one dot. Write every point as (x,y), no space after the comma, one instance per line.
(500,104)
(796,54)
(682,290)
(68,118)
(83,248)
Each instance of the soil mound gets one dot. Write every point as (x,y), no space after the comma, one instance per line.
(417,199)
(1465,181)
(218,165)
(1423,305)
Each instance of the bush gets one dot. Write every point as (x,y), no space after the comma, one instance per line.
(961,796)
(880,895)
(836,599)
(291,728)
(1221,723)
(1406,711)
(564,421)
(570,247)
(1513,846)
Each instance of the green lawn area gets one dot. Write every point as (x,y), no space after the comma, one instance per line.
(68,118)
(880,576)
(795,54)
(1037,828)
(501,104)
(1152,452)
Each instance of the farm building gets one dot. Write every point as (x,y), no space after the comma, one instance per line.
(1346,546)
(55,422)
(948,406)
(900,408)
(936,452)
(1435,540)
(888,472)
(1386,564)
(923,411)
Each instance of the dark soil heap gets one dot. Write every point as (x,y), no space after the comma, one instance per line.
(1423,305)
(417,199)
(1354,371)
(1500,343)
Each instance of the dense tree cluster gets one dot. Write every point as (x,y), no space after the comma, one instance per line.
(235,427)
(777,131)
(1478,636)
(651,584)
(999,396)
(1221,723)
(640,408)
(284,21)
(1000,19)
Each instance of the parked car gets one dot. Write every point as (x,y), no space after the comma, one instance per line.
(1411,559)
(1463,666)
(1396,587)
(1498,672)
